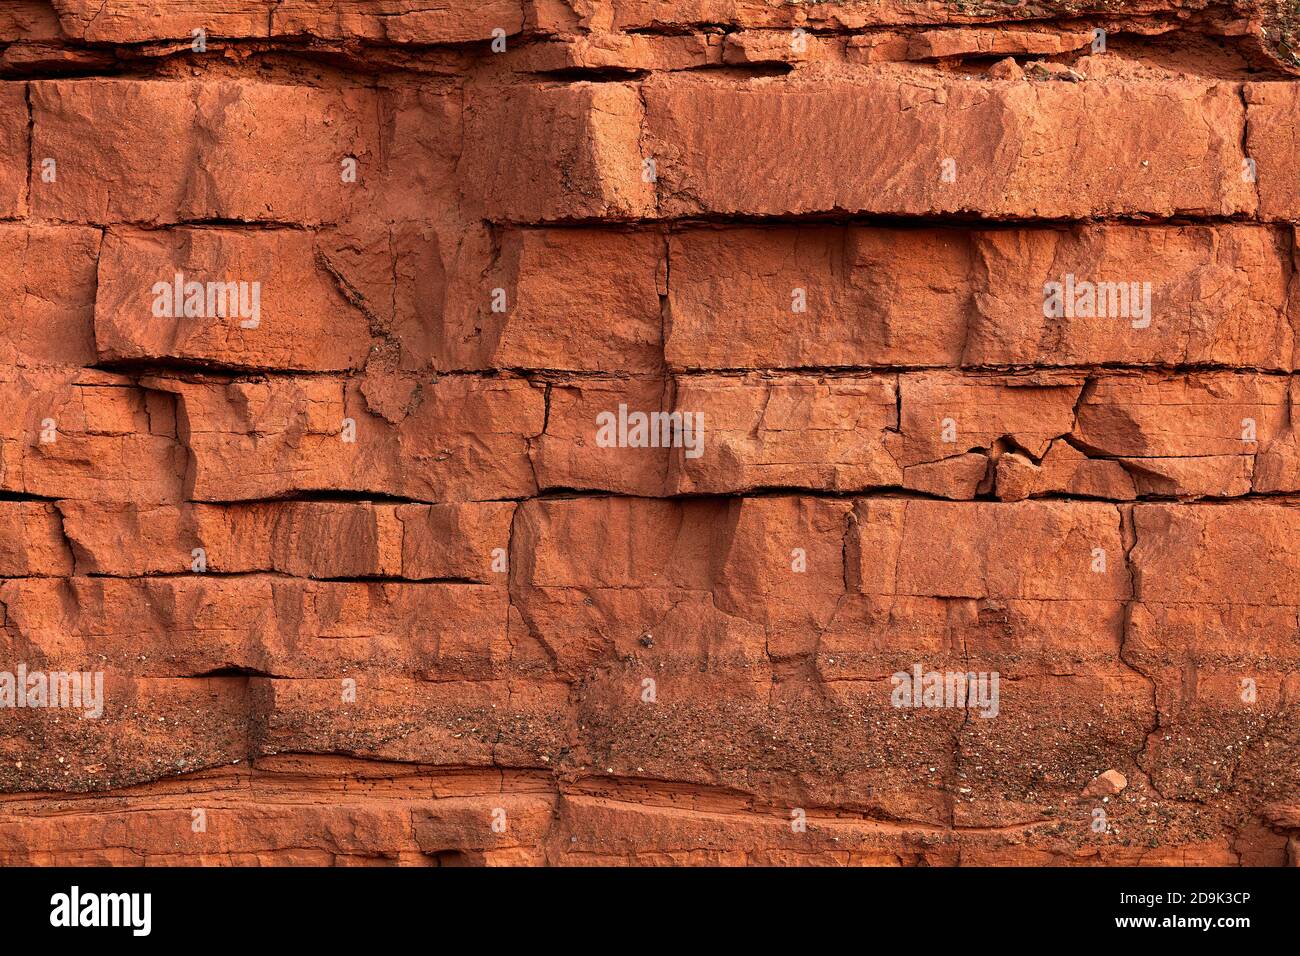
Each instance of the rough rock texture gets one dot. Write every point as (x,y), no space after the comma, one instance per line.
(972,341)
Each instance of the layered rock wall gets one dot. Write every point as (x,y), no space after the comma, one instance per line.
(970,330)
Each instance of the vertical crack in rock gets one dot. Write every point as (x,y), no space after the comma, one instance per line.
(1129,536)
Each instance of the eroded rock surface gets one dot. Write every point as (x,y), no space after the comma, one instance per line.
(600,411)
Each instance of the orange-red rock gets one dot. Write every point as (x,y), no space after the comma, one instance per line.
(14,144)
(652,418)
(801,297)
(289,171)
(467,439)
(255,300)
(727,148)
(310,539)
(71,433)
(576,145)
(399,21)
(548,300)
(48,289)
(1165,295)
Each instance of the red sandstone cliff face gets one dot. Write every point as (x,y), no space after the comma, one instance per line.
(365,581)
